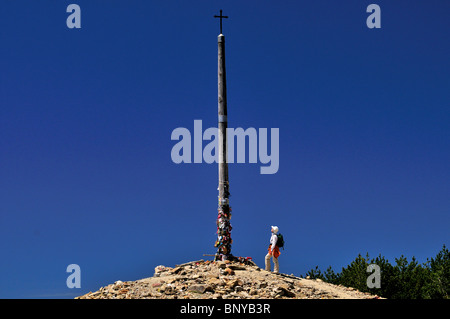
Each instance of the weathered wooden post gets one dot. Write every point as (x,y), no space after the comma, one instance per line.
(223,243)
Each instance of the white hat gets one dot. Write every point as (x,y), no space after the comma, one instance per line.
(275,229)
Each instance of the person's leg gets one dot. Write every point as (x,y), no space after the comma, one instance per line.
(276,267)
(267,259)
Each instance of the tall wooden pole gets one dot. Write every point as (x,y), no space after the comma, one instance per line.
(224,241)
(222,99)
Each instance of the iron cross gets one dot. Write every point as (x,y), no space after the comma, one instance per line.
(221,16)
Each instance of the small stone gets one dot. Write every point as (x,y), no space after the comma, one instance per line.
(176,270)
(261,285)
(229,271)
(169,290)
(283,290)
(237,267)
(215,282)
(198,288)
(221,292)
(235,282)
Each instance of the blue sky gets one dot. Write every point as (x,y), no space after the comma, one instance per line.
(86,116)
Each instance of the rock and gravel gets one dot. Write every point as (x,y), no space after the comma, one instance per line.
(223,280)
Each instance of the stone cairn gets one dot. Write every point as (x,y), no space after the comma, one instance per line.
(224,241)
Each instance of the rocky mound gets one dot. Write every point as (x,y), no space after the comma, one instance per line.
(223,280)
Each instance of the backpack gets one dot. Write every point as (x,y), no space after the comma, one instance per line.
(280,241)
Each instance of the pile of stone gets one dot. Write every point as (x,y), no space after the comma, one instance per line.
(222,280)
